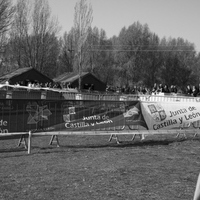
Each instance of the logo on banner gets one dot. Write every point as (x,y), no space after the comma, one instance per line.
(37,113)
(157,112)
(67,113)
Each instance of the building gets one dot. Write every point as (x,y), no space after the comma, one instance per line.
(88,81)
(25,75)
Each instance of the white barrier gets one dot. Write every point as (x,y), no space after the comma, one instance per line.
(168,98)
(129,132)
(125,132)
(98,133)
(197,190)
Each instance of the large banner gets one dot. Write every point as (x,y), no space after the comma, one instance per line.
(23,115)
(100,116)
(18,115)
(169,115)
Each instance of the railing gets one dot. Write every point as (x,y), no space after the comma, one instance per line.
(169,98)
(23,92)
(63,95)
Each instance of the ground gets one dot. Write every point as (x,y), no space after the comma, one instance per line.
(90,167)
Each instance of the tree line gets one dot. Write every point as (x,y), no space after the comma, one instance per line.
(29,37)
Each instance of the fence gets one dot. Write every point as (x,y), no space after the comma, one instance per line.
(55,112)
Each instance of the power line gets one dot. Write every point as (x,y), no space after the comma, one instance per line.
(147,50)
(141,45)
(161,50)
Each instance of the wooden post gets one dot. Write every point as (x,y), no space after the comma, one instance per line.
(197,190)
(29,142)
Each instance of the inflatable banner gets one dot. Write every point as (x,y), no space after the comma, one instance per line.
(169,115)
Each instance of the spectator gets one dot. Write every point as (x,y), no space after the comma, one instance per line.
(134,90)
(154,89)
(160,88)
(59,86)
(29,84)
(166,89)
(195,91)
(173,89)
(144,90)
(17,84)
(188,90)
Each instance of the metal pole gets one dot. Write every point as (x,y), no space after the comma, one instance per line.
(29,142)
(80,71)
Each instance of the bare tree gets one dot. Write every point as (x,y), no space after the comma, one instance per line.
(67,52)
(82,22)
(33,35)
(19,34)
(6,14)
(43,27)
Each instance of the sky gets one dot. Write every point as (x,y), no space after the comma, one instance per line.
(166,18)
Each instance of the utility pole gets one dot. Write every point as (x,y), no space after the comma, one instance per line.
(80,70)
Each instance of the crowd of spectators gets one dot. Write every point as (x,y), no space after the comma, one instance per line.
(41,85)
(164,89)
(157,89)
(193,90)
(189,90)
(142,90)
(36,84)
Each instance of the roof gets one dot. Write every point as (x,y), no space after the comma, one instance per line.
(14,73)
(69,77)
(24,73)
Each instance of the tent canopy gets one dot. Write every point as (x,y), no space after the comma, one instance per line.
(25,75)
(88,80)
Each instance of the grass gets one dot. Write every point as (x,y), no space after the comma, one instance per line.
(159,168)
